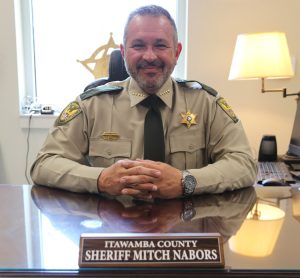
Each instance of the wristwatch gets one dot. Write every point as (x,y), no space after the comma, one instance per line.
(188,211)
(188,182)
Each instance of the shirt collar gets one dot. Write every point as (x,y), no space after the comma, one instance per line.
(137,95)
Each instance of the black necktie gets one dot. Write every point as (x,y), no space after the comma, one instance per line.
(154,140)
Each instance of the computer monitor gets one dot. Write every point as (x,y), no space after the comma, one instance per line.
(294,145)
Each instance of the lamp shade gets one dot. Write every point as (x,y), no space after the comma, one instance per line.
(261,55)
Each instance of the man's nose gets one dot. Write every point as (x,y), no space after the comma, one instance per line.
(149,54)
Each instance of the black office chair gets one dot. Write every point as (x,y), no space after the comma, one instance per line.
(116,70)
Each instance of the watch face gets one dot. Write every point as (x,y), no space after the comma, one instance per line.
(189,184)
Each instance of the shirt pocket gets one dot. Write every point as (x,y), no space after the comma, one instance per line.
(187,151)
(103,153)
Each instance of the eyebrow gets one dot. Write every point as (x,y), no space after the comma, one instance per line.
(156,41)
(137,41)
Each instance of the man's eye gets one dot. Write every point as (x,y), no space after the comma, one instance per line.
(137,46)
(161,46)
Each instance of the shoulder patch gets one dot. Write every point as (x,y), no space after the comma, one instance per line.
(100,90)
(227,109)
(194,84)
(69,113)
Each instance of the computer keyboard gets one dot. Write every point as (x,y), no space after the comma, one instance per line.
(274,170)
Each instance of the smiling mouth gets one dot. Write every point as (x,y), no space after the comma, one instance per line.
(151,72)
(155,65)
(151,69)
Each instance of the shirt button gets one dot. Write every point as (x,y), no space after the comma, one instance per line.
(108,152)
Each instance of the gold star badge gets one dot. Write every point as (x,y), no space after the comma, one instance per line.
(188,118)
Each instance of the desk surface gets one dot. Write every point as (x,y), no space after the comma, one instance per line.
(40,230)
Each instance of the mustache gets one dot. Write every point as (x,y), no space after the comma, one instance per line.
(145,64)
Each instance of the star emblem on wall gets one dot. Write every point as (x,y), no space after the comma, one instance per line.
(188,118)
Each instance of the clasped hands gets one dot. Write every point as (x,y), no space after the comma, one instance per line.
(142,179)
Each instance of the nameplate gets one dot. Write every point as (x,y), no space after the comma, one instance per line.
(157,250)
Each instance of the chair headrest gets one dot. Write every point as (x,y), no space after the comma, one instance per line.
(116,70)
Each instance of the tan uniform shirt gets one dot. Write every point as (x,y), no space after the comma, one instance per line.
(211,143)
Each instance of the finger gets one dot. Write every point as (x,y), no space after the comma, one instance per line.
(137,184)
(143,195)
(126,163)
(140,175)
(149,163)
(145,187)
(129,180)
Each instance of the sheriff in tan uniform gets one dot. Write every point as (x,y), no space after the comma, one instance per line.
(106,124)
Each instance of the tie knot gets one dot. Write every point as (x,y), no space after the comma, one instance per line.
(153,101)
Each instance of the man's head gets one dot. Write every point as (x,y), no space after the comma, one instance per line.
(150,47)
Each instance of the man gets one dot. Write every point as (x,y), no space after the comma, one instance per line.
(97,143)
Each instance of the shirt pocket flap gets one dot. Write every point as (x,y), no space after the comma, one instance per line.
(110,149)
(186,143)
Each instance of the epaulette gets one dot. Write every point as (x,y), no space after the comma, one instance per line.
(100,90)
(194,84)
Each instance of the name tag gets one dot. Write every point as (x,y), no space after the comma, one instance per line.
(157,250)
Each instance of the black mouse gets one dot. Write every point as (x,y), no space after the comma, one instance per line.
(274,182)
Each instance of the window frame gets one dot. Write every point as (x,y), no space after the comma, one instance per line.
(26,56)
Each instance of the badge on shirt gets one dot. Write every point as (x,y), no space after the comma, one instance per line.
(188,118)
(227,109)
(69,113)
(110,136)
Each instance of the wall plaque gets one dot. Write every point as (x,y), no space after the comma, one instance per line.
(157,250)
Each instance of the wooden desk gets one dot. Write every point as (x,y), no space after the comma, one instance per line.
(40,230)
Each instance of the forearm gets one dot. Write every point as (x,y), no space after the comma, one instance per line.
(233,171)
(59,172)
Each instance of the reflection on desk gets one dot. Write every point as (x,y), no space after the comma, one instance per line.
(41,228)
(222,213)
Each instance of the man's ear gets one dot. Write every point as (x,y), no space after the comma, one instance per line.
(122,48)
(178,50)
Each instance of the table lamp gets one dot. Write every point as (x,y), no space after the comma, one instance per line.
(262,55)
(258,234)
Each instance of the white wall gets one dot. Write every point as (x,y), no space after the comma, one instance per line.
(212,29)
